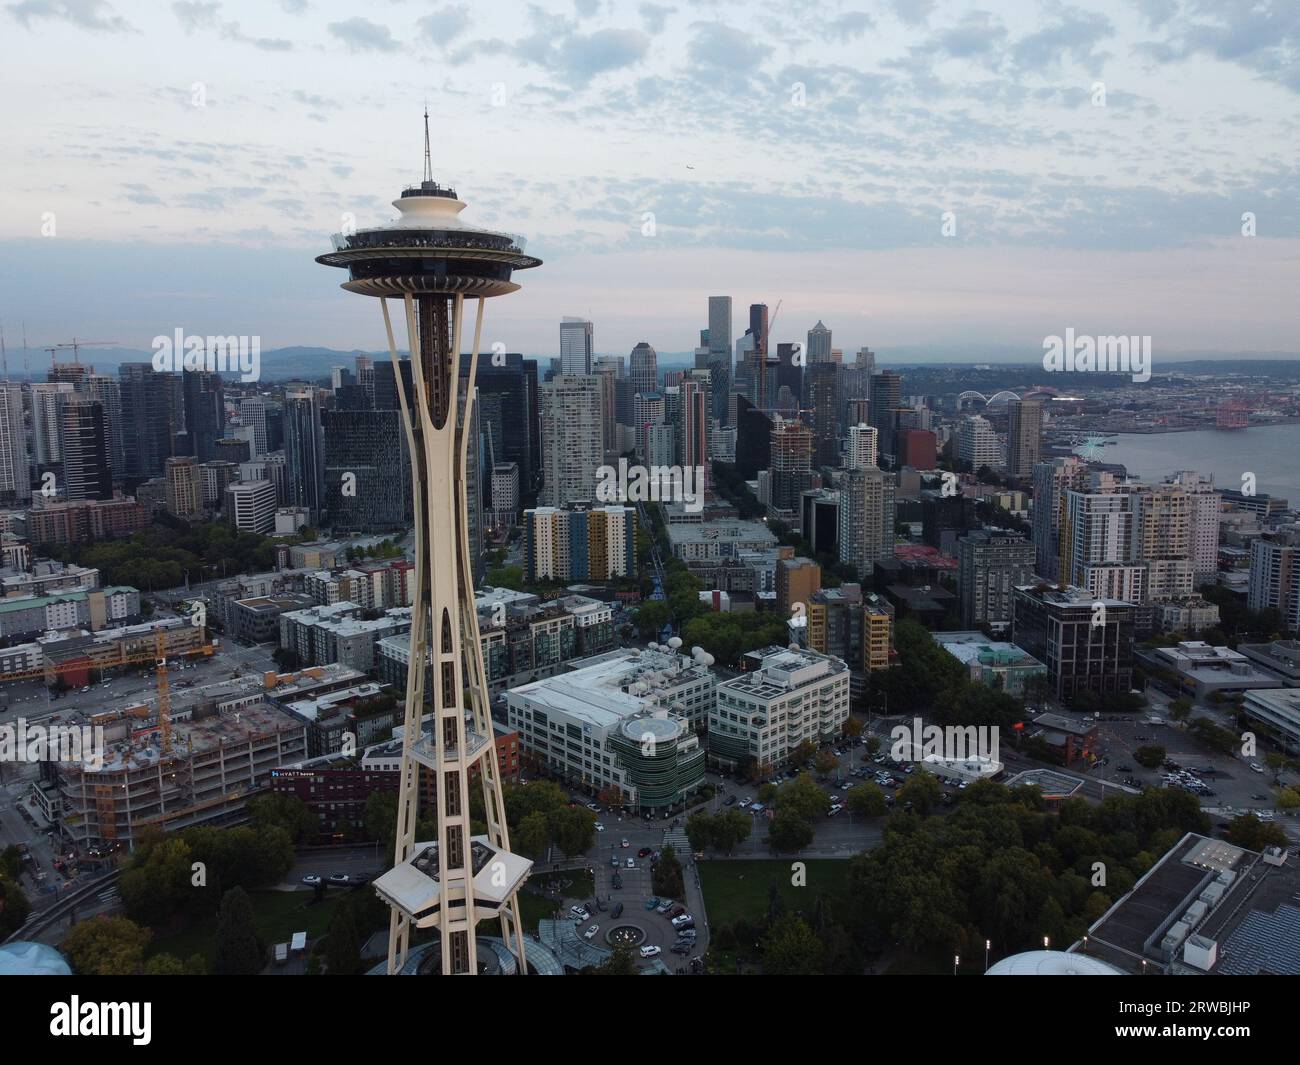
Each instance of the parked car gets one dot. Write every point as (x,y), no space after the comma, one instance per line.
(650,951)
(617,911)
(590,933)
(631,863)
(644,852)
(682,919)
(625,843)
(339,878)
(651,903)
(681,948)
(665,906)
(311,880)
(1255,767)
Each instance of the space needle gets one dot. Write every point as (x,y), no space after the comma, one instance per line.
(429,262)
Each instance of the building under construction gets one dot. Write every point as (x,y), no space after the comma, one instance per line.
(218,760)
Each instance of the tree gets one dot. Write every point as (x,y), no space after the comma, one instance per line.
(532,835)
(1180,708)
(14,906)
(788,832)
(730,829)
(666,875)
(825,762)
(287,812)
(802,754)
(922,791)
(1249,832)
(239,951)
(791,949)
(620,963)
(106,946)
(164,965)
(866,800)
(380,817)
(700,830)
(343,948)
(573,829)
(1149,756)
(803,798)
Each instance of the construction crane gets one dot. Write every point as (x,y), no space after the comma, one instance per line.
(157,655)
(76,346)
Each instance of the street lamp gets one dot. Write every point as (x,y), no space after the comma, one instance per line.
(956,961)
(1044,942)
(987,943)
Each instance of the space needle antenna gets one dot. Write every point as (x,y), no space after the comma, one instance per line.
(428,161)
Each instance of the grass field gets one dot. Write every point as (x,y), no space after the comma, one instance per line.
(734,889)
(277,914)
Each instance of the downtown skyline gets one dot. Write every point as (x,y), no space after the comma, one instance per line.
(1122,218)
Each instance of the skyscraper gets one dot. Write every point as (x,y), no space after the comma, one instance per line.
(367,470)
(431,263)
(866,518)
(821,395)
(146,440)
(861,453)
(205,412)
(304,447)
(15,477)
(572,439)
(86,473)
(575,346)
(990,566)
(252,415)
(819,344)
(107,392)
(696,411)
(1024,437)
(886,393)
(184,487)
(720,327)
(1052,480)
(643,369)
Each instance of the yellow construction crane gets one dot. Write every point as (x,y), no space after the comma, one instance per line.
(76,346)
(157,655)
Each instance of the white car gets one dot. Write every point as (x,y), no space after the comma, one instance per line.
(631,863)
(650,951)
(590,933)
(1255,767)
(625,843)
(681,919)
(600,827)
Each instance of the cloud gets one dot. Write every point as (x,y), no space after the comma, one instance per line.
(848,26)
(576,58)
(722,47)
(96,15)
(1075,34)
(362,35)
(979,33)
(445,24)
(1260,35)
(654,17)
(912,12)
(194,16)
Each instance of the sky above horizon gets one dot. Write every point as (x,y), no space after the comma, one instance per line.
(191,158)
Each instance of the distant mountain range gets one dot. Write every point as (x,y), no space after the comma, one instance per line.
(311,363)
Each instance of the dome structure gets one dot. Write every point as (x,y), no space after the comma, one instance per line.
(25,958)
(1052,963)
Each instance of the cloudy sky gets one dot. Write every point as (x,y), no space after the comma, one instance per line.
(1094,165)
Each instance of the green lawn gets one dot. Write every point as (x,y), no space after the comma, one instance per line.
(278,914)
(734,889)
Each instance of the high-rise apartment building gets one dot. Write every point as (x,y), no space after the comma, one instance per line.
(822,397)
(304,446)
(990,566)
(1085,649)
(15,475)
(1024,437)
(977,443)
(146,419)
(885,398)
(861,453)
(572,439)
(866,517)
(1205,508)
(1275,575)
(250,506)
(1052,480)
(579,543)
(252,415)
(184,488)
